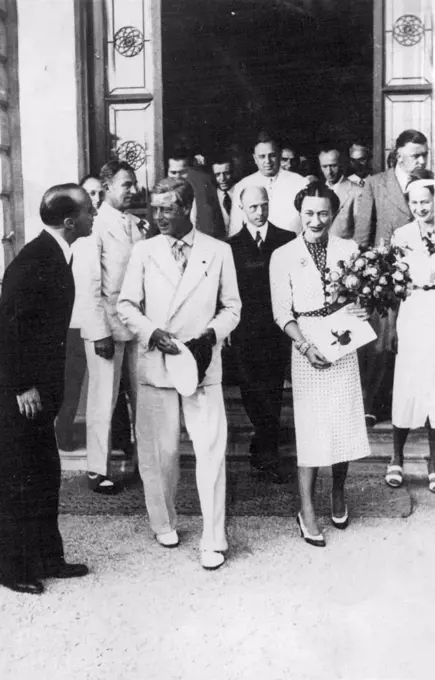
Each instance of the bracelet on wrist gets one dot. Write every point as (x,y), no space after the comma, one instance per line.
(302,346)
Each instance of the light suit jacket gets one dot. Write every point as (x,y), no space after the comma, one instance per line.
(155,295)
(344,221)
(383,208)
(102,274)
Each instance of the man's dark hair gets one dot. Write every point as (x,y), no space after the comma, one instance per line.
(219,158)
(180,187)
(409,136)
(330,145)
(320,190)
(110,169)
(265,137)
(287,144)
(58,203)
(181,153)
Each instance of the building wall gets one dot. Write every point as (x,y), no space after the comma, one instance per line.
(48,101)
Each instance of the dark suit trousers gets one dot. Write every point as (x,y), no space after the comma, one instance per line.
(261,380)
(30,541)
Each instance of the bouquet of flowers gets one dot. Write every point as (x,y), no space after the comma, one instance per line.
(376,278)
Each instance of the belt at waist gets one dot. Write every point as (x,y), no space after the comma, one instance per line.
(423,287)
(323,311)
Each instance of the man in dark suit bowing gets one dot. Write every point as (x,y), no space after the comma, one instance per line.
(260,349)
(35,310)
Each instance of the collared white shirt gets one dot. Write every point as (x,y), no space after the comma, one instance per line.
(333,186)
(66,249)
(187,240)
(221,196)
(124,220)
(356,179)
(253,230)
(283,189)
(402,178)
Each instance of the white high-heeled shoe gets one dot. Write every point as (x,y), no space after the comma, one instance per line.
(318,541)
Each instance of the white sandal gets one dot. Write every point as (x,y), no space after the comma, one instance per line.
(394,476)
(431,478)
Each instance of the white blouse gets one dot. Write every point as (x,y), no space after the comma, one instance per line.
(295,281)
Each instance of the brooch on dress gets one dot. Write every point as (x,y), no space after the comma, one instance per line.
(304,262)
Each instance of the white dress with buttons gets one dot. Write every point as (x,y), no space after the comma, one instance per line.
(328,405)
(414,373)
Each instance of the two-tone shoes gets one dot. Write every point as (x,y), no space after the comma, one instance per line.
(318,541)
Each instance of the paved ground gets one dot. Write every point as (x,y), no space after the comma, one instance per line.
(361,609)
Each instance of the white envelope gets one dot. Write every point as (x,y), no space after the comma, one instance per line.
(340,334)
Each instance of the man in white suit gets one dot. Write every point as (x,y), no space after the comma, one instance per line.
(281,186)
(348,192)
(106,337)
(181,284)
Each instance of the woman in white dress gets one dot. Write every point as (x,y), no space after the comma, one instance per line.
(412,332)
(327,398)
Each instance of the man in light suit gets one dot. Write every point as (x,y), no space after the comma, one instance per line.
(281,186)
(349,194)
(181,284)
(106,337)
(383,208)
(261,349)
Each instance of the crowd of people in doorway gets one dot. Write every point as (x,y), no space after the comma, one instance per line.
(230,260)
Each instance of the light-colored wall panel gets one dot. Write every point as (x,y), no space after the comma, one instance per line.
(408,42)
(48,100)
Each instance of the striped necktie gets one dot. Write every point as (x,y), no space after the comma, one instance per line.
(179,256)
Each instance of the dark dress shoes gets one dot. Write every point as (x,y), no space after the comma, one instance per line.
(65,570)
(31,587)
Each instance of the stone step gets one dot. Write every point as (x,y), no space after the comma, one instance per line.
(240,432)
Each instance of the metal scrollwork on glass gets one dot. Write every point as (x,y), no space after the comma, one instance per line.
(129,41)
(133,153)
(408,30)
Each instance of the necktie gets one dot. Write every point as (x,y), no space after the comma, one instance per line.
(259,240)
(179,256)
(227,202)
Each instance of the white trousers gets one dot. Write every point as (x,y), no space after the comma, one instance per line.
(158,438)
(104,379)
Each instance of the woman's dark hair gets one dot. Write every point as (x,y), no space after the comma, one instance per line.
(58,203)
(420,173)
(321,191)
